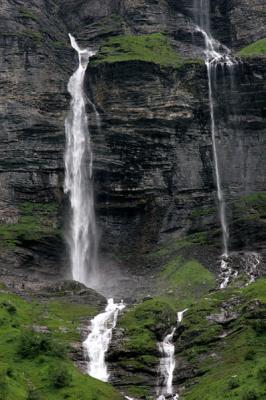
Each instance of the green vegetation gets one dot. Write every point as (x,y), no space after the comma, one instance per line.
(109,24)
(190,279)
(26,13)
(173,247)
(141,325)
(34,340)
(35,36)
(154,48)
(36,220)
(254,49)
(59,44)
(254,204)
(227,371)
(60,376)
(31,344)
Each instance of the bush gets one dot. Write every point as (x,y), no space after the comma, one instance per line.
(33,394)
(233,383)
(32,344)
(10,308)
(250,395)
(261,374)
(60,376)
(250,355)
(259,327)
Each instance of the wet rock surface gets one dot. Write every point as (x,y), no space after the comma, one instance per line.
(153,157)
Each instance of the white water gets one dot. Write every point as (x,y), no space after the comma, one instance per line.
(167,363)
(98,341)
(215,54)
(249,262)
(82,237)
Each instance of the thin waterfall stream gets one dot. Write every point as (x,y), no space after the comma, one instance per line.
(218,55)
(168,364)
(213,58)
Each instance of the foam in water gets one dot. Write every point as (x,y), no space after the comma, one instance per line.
(98,341)
(167,363)
(82,235)
(248,261)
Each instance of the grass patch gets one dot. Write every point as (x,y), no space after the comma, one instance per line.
(35,365)
(36,220)
(144,323)
(26,13)
(233,366)
(189,278)
(154,48)
(257,48)
(253,205)
(35,36)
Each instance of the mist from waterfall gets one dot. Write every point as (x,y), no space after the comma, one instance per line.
(82,235)
(215,55)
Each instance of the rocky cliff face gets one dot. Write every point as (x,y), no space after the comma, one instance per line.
(153,159)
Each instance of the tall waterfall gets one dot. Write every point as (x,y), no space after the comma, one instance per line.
(82,236)
(97,343)
(215,54)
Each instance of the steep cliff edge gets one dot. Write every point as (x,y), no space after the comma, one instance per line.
(154,168)
(154,185)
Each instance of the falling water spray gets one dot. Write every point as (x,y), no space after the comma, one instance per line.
(82,234)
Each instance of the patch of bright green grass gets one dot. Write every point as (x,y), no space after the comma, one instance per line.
(254,49)
(190,279)
(25,373)
(154,48)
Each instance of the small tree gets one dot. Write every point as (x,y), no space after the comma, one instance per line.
(60,376)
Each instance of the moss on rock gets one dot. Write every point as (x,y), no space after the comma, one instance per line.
(35,221)
(154,48)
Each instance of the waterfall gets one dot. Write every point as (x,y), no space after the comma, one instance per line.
(167,363)
(249,262)
(215,54)
(82,235)
(218,55)
(98,341)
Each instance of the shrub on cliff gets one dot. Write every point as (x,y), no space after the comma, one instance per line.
(32,344)
(60,376)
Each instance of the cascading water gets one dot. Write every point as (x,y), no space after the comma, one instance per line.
(82,237)
(167,363)
(218,55)
(249,262)
(213,58)
(97,342)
